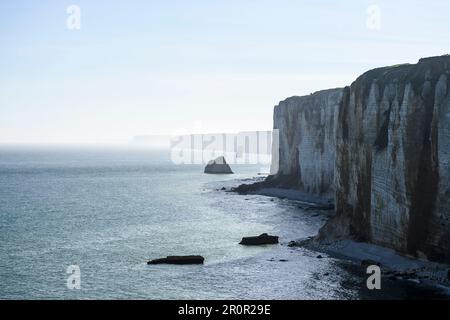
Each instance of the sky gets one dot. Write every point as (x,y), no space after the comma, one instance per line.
(142,67)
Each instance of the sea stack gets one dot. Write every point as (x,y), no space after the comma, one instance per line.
(218,166)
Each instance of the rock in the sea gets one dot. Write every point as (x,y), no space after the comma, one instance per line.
(218,166)
(178,260)
(293,244)
(259,240)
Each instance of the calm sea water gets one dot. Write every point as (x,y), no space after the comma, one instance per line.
(109,210)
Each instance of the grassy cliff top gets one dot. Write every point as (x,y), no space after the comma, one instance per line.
(426,69)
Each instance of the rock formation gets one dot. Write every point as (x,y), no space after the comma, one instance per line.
(306,129)
(178,260)
(381,149)
(218,165)
(392,159)
(259,240)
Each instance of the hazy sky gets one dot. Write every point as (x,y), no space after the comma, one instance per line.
(161,67)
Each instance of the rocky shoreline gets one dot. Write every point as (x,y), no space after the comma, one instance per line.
(394,266)
(273,187)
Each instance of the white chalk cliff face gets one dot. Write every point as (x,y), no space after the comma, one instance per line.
(386,141)
(306,129)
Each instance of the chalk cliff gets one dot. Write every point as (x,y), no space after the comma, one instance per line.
(306,130)
(381,147)
(392,159)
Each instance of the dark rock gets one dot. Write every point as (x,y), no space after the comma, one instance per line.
(223,189)
(218,166)
(312,206)
(259,240)
(319,257)
(411,274)
(253,187)
(367,262)
(178,260)
(283,260)
(292,244)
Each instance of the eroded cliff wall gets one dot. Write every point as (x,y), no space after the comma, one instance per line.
(392,159)
(306,130)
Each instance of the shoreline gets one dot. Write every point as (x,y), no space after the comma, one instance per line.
(393,265)
(260,186)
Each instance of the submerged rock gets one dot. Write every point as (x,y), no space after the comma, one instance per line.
(178,260)
(218,166)
(259,240)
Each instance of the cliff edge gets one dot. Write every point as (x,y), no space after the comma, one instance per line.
(392,151)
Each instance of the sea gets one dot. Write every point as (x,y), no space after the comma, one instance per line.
(81,222)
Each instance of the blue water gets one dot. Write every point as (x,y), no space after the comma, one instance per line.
(111,209)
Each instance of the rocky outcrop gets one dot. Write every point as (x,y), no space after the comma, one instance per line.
(381,149)
(306,130)
(178,260)
(218,166)
(392,160)
(259,240)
